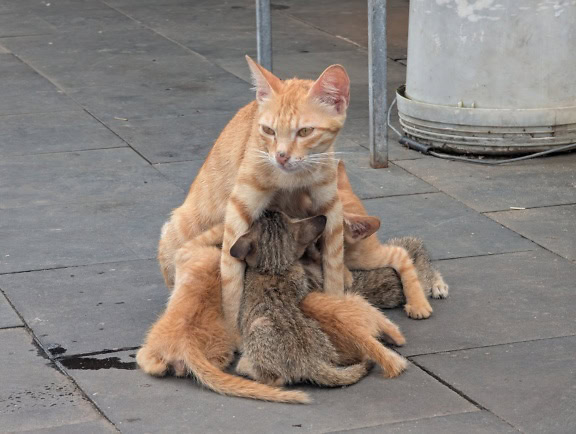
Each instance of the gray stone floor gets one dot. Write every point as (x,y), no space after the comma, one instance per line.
(107,109)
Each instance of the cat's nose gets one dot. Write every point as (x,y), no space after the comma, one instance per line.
(282,158)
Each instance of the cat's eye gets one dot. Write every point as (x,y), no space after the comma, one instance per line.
(304,132)
(268,130)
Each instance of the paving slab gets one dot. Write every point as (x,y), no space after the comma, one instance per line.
(40,6)
(41,133)
(206,29)
(23,90)
(552,227)
(97,427)
(496,299)
(371,183)
(449,229)
(349,19)
(480,422)
(180,403)
(85,233)
(176,138)
(77,177)
(110,59)
(529,384)
(23,25)
(8,316)
(526,184)
(180,173)
(87,309)
(221,93)
(34,393)
(89,21)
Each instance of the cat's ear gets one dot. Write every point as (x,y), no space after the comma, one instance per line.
(310,229)
(343,180)
(332,89)
(357,227)
(242,247)
(265,83)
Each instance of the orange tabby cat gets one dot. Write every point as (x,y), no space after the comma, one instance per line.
(273,145)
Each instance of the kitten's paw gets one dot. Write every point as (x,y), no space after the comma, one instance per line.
(397,337)
(151,363)
(245,368)
(440,288)
(391,333)
(396,365)
(421,311)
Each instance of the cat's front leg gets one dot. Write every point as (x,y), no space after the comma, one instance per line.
(326,202)
(246,203)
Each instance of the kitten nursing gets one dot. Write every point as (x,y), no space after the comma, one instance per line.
(281,344)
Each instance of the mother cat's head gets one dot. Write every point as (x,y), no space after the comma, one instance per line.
(298,120)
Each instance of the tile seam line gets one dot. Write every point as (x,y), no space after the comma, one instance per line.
(415,419)
(527,208)
(483,255)
(61,152)
(489,346)
(463,395)
(84,109)
(5,115)
(57,365)
(12,327)
(8,273)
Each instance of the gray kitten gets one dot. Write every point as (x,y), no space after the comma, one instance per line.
(281,344)
(382,286)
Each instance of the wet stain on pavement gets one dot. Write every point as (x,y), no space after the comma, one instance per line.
(92,363)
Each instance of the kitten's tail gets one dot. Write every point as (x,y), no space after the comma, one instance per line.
(326,374)
(232,385)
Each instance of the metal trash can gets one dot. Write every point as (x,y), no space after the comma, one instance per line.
(491,77)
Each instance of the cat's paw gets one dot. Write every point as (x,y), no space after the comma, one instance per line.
(421,311)
(395,366)
(440,288)
(151,363)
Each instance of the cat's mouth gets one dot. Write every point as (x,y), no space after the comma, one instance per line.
(289,167)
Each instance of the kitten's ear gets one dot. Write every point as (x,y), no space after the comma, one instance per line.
(332,89)
(310,229)
(343,180)
(357,227)
(265,83)
(242,247)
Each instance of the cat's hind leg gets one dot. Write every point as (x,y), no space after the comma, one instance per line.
(151,363)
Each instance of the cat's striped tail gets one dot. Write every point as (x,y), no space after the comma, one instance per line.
(227,384)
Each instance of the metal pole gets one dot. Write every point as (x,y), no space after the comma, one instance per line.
(264,34)
(377,81)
